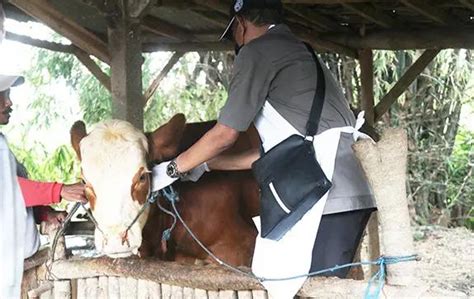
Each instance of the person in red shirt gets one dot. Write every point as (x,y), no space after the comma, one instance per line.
(39,195)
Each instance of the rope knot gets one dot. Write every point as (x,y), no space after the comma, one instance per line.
(166,234)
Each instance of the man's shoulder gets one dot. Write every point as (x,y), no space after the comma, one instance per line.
(275,42)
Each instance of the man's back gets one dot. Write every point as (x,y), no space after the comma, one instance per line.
(292,88)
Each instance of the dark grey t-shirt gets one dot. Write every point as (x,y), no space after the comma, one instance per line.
(278,67)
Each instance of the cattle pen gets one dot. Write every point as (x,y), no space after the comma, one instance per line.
(117,34)
(57,276)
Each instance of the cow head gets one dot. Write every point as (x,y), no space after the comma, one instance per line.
(114,158)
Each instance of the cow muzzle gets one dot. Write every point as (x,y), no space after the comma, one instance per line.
(118,244)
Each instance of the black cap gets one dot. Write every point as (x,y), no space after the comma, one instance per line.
(241,6)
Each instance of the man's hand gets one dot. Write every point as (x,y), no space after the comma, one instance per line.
(195,174)
(160,179)
(54,217)
(74,192)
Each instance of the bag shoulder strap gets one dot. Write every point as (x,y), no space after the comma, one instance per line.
(318,101)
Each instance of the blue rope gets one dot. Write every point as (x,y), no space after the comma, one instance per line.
(169,194)
(375,283)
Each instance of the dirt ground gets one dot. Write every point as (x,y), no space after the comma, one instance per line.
(447,258)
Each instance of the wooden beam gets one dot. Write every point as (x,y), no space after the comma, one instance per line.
(366,59)
(222,6)
(71,49)
(188,47)
(316,18)
(214,5)
(211,277)
(36,260)
(371,14)
(322,1)
(45,12)
(156,83)
(443,38)
(215,18)
(138,8)
(161,27)
(319,43)
(408,77)
(52,46)
(95,70)
(468,3)
(428,10)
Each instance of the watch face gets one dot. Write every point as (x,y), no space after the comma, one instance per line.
(172,170)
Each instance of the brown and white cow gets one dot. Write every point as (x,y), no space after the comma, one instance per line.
(218,208)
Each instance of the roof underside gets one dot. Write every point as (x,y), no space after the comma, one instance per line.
(334,25)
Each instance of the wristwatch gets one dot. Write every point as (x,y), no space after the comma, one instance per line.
(173,172)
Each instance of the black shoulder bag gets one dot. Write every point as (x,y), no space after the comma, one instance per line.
(290,178)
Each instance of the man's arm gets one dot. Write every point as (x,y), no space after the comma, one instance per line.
(214,142)
(42,194)
(235,161)
(39,194)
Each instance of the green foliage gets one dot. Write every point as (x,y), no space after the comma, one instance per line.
(196,102)
(440,164)
(460,184)
(59,166)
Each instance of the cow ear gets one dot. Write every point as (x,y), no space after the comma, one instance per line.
(164,142)
(78,131)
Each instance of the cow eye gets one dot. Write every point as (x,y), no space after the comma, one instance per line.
(143,178)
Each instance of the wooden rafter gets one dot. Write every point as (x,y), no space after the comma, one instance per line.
(408,77)
(70,49)
(161,27)
(371,14)
(317,19)
(156,83)
(291,17)
(212,17)
(214,5)
(468,3)
(443,38)
(188,46)
(138,8)
(429,11)
(318,43)
(45,12)
(321,1)
(95,70)
(52,46)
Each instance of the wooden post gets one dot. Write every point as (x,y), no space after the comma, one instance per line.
(385,165)
(367,84)
(366,61)
(126,70)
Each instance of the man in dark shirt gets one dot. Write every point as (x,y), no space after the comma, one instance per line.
(274,66)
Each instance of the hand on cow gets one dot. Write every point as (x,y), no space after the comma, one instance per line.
(74,192)
(54,217)
(195,174)
(160,178)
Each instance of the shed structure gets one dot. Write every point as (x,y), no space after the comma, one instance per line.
(117,32)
